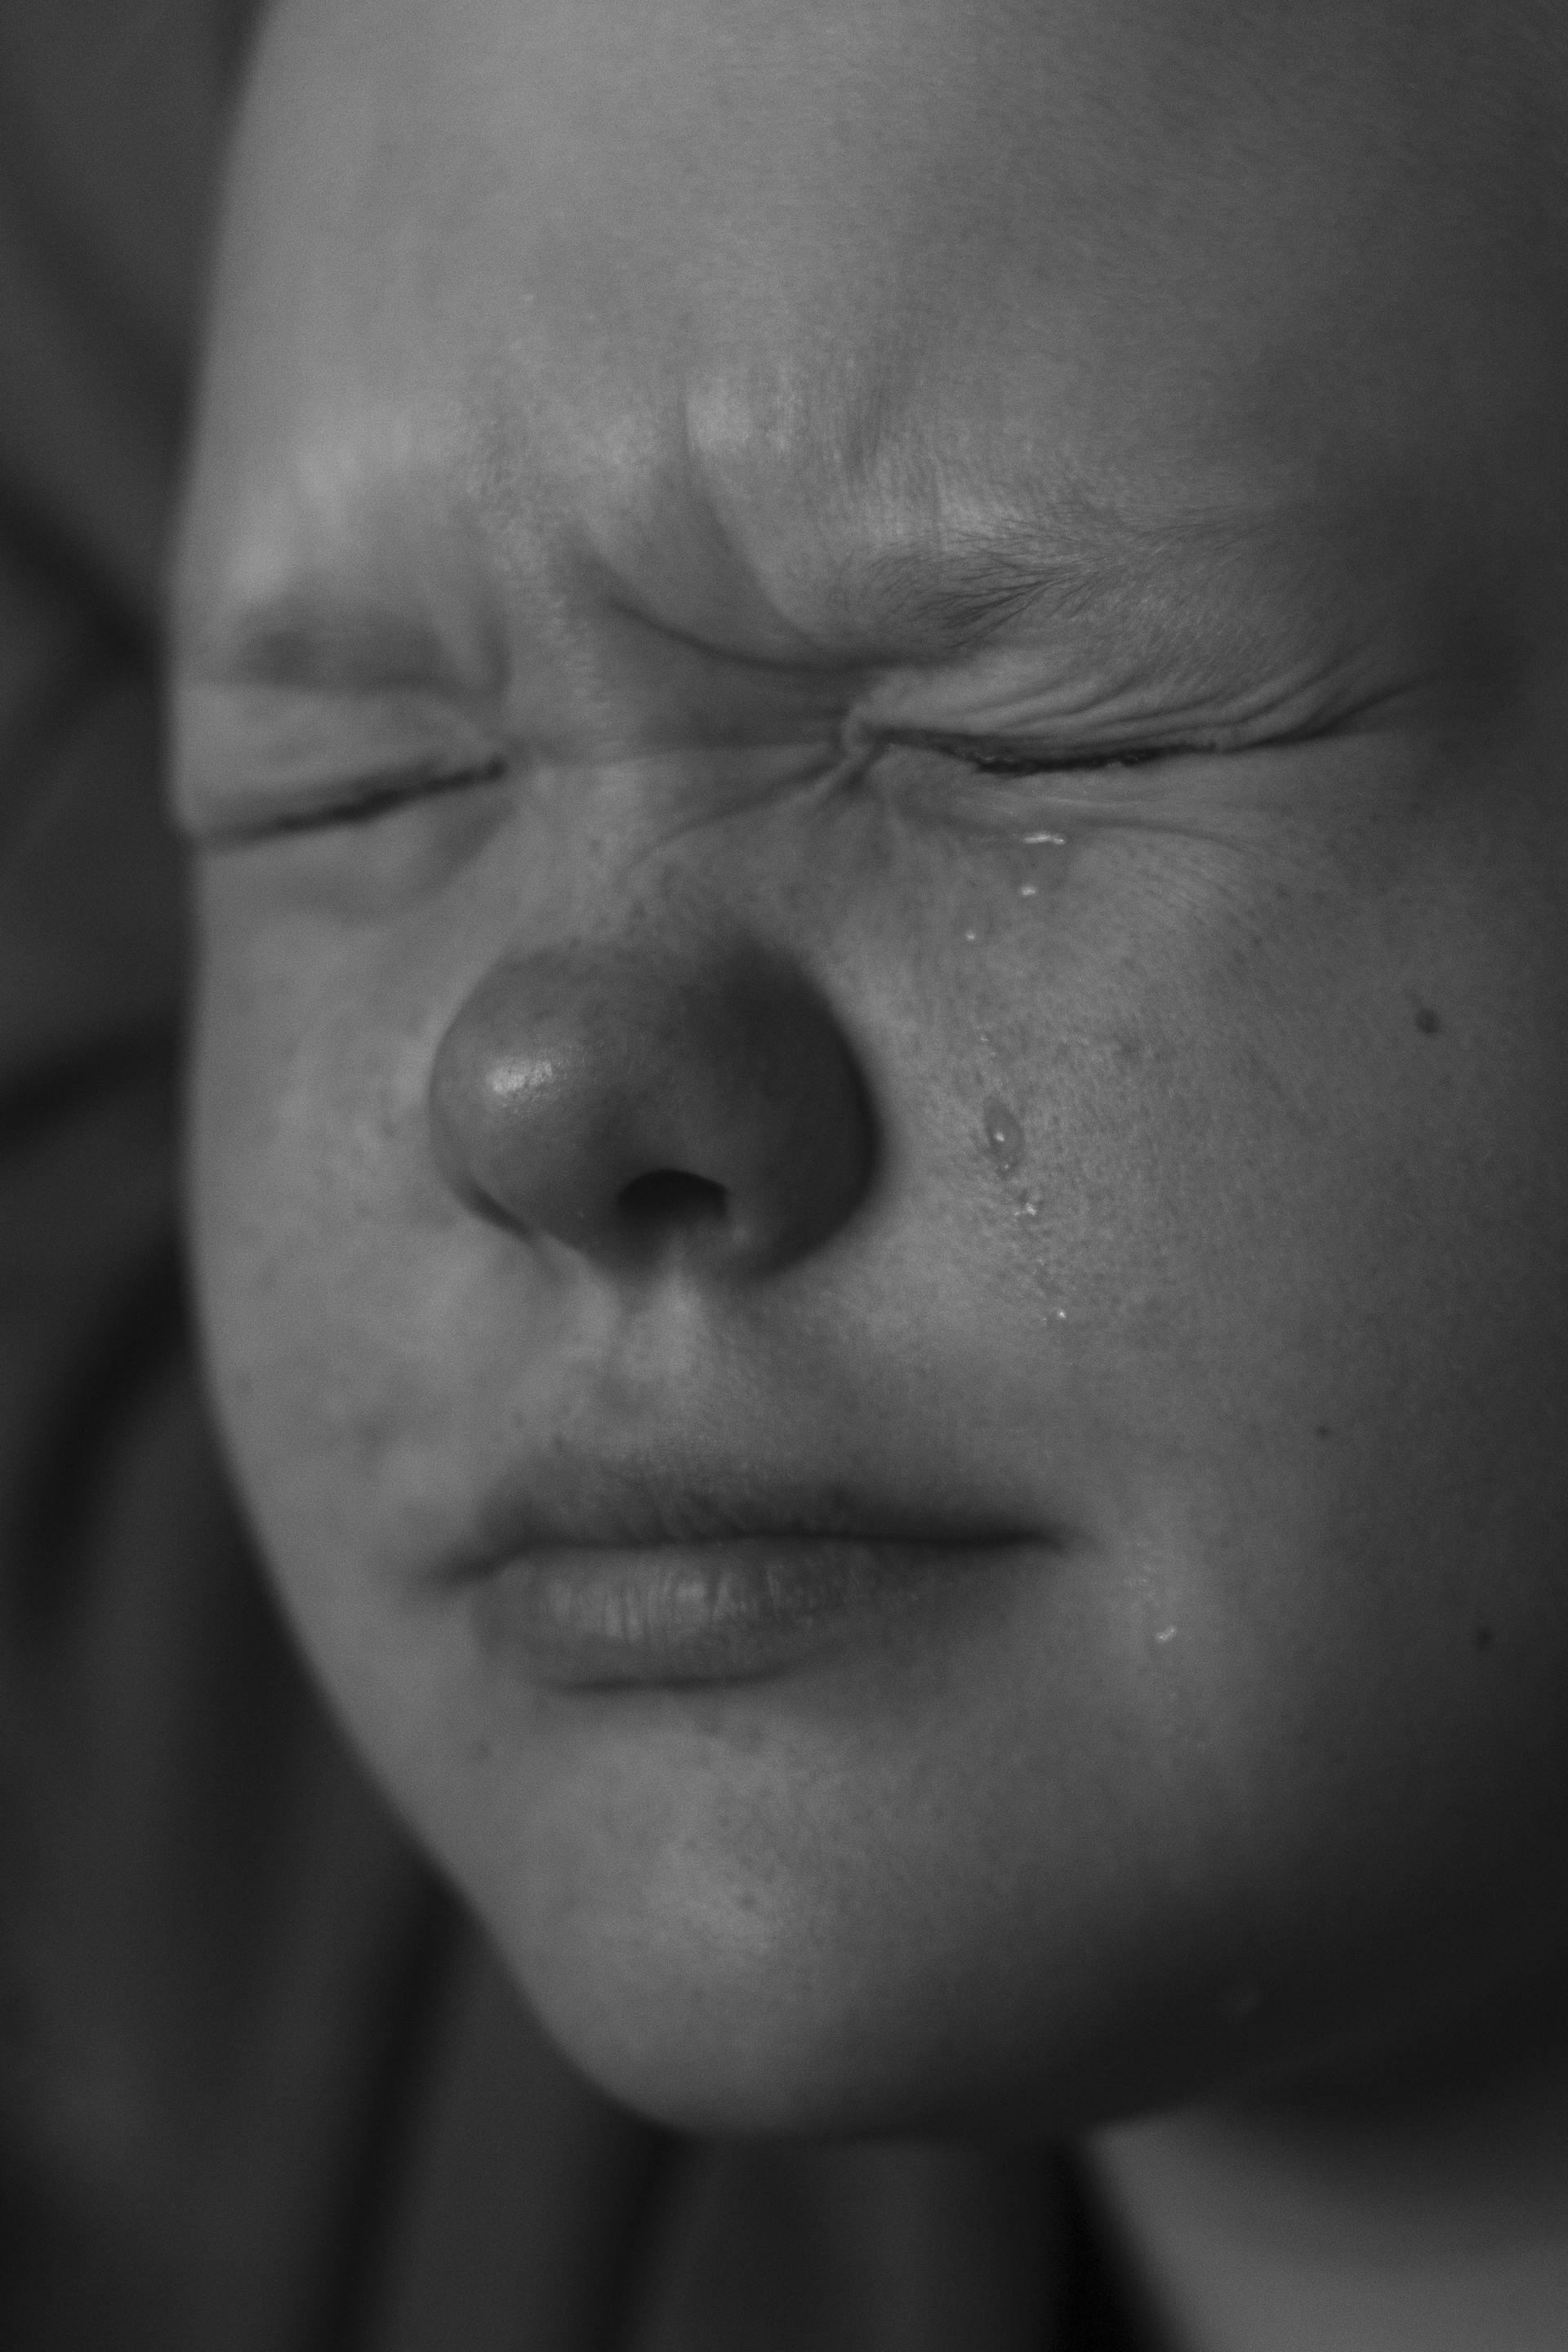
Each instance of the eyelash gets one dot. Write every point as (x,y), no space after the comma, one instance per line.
(1021,764)
(364,803)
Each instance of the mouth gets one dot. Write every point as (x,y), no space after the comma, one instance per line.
(604,1580)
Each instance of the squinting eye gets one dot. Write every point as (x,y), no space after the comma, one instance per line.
(1010,760)
(986,784)
(356,804)
(1016,760)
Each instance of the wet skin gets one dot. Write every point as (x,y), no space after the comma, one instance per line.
(872,701)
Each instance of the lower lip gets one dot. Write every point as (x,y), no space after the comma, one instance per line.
(597,1618)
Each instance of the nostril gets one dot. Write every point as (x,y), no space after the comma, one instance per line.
(669,1197)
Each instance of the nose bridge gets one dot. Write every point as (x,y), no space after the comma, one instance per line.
(640,1099)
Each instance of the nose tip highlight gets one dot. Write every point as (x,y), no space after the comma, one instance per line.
(640,1106)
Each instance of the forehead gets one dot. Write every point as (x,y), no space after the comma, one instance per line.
(714,303)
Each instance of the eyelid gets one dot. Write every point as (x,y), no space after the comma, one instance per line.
(358,803)
(1015,763)
(1007,756)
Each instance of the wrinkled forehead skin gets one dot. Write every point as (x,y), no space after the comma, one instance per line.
(710,299)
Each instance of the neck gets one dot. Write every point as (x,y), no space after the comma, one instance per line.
(1432,2221)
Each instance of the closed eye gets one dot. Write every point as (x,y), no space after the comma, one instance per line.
(1030,760)
(1021,757)
(357,804)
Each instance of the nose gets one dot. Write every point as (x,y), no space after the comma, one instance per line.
(643,1106)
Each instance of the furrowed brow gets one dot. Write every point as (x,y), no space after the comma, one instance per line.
(951,597)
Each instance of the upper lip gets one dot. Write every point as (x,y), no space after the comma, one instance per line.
(569,1499)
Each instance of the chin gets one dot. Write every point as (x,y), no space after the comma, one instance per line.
(718,2021)
(703,2021)
(753,2067)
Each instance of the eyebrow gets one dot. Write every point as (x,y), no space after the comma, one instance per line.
(965,592)
(305,635)
(1086,568)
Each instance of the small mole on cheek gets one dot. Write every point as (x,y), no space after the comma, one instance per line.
(1323,1429)
(1004,1136)
(1483,1637)
(1427,1021)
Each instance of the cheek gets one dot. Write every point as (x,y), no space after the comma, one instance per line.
(1254,1120)
(1255,1170)
(309,1172)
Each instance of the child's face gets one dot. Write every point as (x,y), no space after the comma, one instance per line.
(758,425)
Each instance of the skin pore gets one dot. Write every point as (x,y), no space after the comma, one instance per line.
(872,700)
